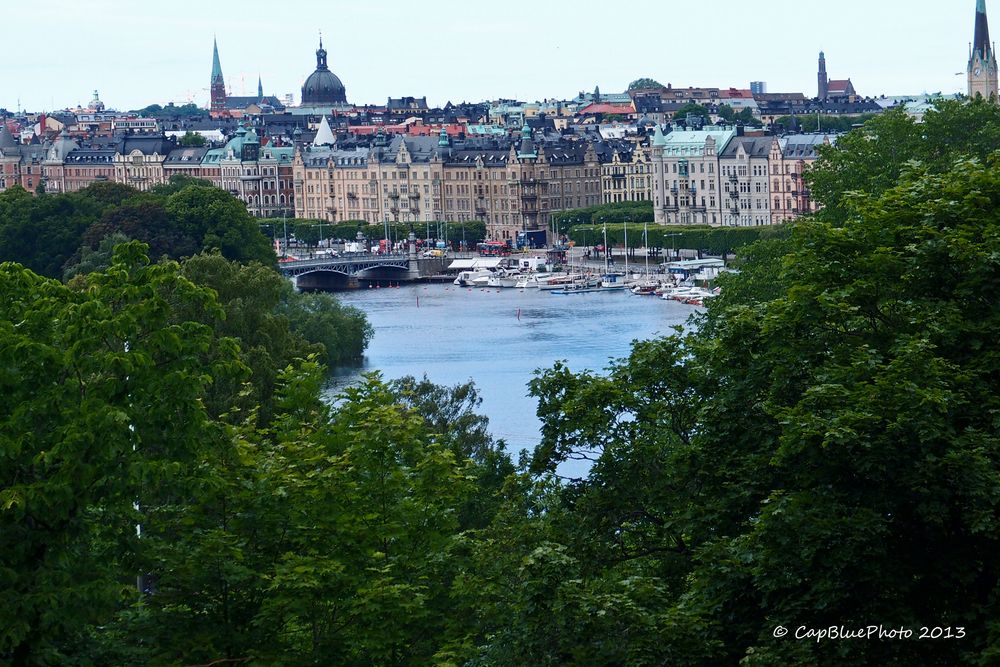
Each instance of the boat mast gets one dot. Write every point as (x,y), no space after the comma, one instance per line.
(626,250)
(645,242)
(605,248)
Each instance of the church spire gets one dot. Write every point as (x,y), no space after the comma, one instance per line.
(216,65)
(217,87)
(260,88)
(981,41)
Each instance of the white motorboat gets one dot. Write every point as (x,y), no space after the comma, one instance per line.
(504,278)
(467,278)
(531,280)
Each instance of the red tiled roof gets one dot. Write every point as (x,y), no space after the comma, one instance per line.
(736,93)
(601,107)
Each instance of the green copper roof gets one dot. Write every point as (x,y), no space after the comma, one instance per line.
(658,138)
(216,66)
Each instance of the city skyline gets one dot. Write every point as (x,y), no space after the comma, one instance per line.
(449,51)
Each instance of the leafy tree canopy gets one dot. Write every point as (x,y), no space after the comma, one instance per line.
(644,83)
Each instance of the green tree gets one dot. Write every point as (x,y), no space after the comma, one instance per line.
(221,221)
(307,233)
(640,84)
(872,159)
(692,109)
(819,454)
(42,233)
(192,139)
(89,260)
(178,182)
(104,408)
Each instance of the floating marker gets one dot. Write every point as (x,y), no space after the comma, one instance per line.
(518,314)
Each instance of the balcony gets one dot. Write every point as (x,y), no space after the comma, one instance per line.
(732,178)
(415,195)
(734,195)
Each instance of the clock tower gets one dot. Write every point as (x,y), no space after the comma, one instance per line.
(982,58)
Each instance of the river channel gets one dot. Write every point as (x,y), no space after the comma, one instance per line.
(498,338)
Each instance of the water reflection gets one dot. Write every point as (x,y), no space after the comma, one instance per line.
(498,338)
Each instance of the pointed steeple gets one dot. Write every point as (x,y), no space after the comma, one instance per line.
(324,135)
(981,41)
(216,65)
(260,88)
(658,138)
(217,87)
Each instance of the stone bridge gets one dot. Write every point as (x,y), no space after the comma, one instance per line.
(344,272)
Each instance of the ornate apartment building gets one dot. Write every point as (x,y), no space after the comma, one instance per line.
(626,173)
(744,166)
(789,159)
(687,189)
(417,179)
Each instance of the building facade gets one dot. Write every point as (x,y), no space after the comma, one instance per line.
(744,166)
(789,159)
(687,189)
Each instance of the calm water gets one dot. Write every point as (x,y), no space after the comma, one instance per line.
(455,334)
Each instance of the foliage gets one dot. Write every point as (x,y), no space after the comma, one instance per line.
(451,414)
(873,158)
(178,182)
(103,406)
(641,211)
(46,234)
(43,232)
(819,455)
(692,109)
(189,110)
(644,83)
(89,260)
(713,240)
(811,123)
(191,139)
(221,221)
(744,116)
(343,331)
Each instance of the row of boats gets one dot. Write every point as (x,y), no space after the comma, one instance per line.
(584,283)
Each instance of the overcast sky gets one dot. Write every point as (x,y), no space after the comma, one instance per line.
(137,53)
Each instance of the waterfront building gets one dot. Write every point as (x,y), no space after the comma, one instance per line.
(139,161)
(20,164)
(744,166)
(686,183)
(982,68)
(626,172)
(91,163)
(261,176)
(186,161)
(512,187)
(789,159)
(53,169)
